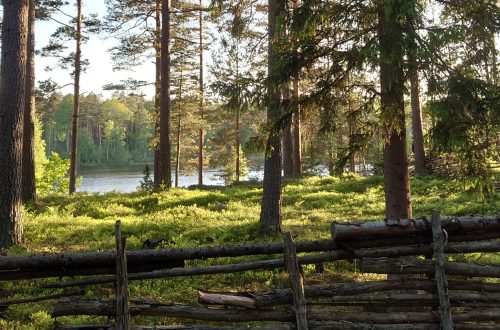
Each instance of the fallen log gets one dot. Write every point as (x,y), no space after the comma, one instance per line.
(393,251)
(404,227)
(398,266)
(255,300)
(82,306)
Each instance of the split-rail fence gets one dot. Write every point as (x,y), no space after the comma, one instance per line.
(425,290)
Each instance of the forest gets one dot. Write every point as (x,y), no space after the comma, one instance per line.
(353,110)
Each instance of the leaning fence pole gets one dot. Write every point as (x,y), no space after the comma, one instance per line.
(296,281)
(122,296)
(440,276)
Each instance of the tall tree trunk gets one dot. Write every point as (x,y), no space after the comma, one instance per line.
(178,150)
(238,107)
(201,135)
(157,47)
(76,100)
(28,175)
(165,175)
(396,178)
(350,123)
(287,140)
(270,216)
(12,99)
(297,137)
(416,118)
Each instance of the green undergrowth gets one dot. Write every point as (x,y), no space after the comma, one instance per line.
(225,216)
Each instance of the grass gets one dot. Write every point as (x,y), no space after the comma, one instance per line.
(190,218)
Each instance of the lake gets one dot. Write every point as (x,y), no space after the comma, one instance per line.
(102,179)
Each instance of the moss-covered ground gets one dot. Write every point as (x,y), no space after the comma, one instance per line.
(191,218)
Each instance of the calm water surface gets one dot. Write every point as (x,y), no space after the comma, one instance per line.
(102,179)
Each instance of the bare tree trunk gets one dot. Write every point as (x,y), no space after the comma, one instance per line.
(28,175)
(270,216)
(76,100)
(165,175)
(396,178)
(297,137)
(238,145)
(157,46)
(238,142)
(178,149)
(201,135)
(12,98)
(416,116)
(287,139)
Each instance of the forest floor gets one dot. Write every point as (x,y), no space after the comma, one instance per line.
(225,216)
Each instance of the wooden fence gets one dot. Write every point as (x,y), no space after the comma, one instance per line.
(443,294)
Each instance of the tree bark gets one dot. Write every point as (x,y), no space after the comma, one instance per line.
(396,178)
(270,214)
(28,175)
(76,100)
(164,164)
(12,105)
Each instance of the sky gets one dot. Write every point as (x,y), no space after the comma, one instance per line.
(100,71)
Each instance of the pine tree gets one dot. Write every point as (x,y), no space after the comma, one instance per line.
(12,106)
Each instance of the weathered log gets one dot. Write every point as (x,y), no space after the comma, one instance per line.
(296,282)
(169,327)
(345,325)
(401,227)
(103,262)
(457,298)
(397,266)
(284,296)
(393,251)
(82,306)
(439,272)
(59,326)
(155,258)
(122,301)
(417,299)
(418,239)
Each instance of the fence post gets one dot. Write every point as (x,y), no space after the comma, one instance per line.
(440,276)
(122,297)
(296,281)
